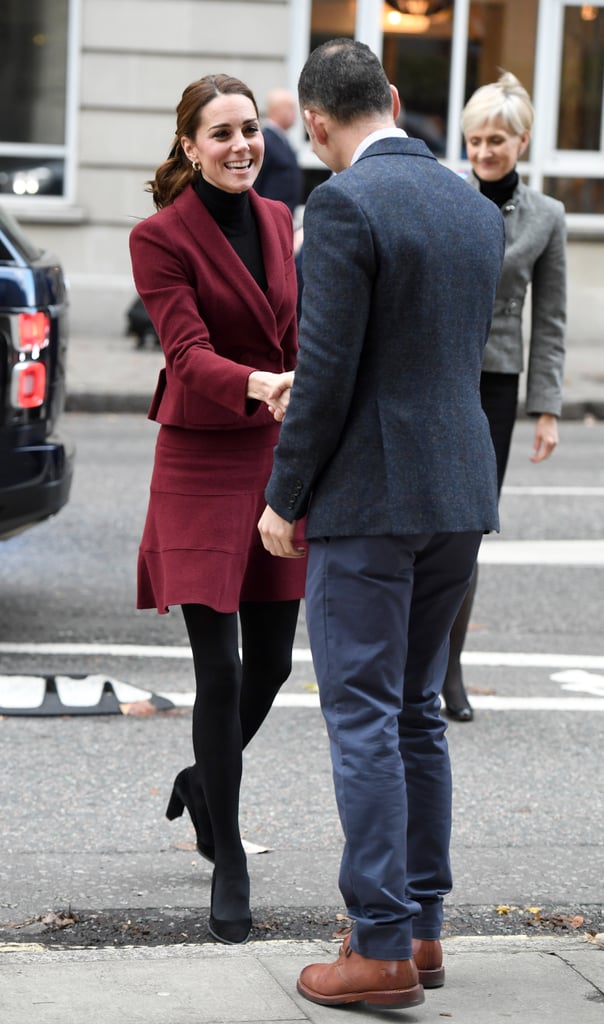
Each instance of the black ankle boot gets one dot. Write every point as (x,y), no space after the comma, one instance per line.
(182,796)
(231,931)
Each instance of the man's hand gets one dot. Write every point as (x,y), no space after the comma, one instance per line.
(546,437)
(278,406)
(278,535)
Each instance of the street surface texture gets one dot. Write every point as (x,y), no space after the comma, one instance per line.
(86,854)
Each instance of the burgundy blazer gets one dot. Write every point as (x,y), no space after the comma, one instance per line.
(215,324)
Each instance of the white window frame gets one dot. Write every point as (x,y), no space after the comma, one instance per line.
(45,205)
(545,160)
(555,162)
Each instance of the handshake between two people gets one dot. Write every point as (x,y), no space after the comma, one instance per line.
(277,534)
(272,388)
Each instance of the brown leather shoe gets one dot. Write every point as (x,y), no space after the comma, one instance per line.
(353,978)
(428,956)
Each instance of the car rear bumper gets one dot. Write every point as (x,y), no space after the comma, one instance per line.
(35,481)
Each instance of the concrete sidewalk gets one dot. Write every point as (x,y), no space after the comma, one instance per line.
(109,374)
(489,981)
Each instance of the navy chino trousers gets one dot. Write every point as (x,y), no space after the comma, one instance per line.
(379,611)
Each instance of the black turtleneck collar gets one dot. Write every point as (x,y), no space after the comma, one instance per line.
(231,210)
(500,192)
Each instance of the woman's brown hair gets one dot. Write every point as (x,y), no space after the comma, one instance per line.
(175,173)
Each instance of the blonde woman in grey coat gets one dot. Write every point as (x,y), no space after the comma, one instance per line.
(496,123)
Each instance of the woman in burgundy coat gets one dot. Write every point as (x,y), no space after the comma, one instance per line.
(215,269)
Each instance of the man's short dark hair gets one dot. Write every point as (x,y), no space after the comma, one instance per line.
(344,78)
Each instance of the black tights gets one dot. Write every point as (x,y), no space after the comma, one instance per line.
(233,697)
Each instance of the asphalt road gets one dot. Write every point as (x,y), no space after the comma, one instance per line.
(83,796)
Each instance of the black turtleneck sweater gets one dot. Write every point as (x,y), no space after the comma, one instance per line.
(232,212)
(500,192)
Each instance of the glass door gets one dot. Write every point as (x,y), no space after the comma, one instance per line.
(570,88)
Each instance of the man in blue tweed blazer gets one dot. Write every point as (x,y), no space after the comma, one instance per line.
(386,450)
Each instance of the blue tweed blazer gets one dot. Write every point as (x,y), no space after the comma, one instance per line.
(385,433)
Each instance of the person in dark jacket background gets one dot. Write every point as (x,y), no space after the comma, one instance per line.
(280,176)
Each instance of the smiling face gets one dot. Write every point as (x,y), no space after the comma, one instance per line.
(493,149)
(228,144)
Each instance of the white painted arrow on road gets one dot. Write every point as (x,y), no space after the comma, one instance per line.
(578,681)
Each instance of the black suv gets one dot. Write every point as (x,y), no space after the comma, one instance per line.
(35,465)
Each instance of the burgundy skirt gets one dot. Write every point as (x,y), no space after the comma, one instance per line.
(200,543)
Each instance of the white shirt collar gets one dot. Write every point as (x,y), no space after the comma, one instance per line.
(381,133)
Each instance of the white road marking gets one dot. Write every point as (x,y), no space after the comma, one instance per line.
(578,681)
(301,655)
(73,691)
(28,692)
(518,659)
(570,492)
(494,551)
(96,650)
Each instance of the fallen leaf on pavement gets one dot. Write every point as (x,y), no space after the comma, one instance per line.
(60,920)
(140,709)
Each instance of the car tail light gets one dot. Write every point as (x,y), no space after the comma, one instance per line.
(34,331)
(28,385)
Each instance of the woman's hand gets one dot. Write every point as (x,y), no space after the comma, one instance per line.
(272,388)
(546,437)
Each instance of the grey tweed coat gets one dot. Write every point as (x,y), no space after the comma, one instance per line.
(535,260)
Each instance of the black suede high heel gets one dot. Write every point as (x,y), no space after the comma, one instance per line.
(454,694)
(231,932)
(180,798)
(457,705)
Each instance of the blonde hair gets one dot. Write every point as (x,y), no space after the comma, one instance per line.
(504,100)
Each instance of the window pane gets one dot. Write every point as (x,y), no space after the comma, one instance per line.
(502,35)
(417,59)
(33,71)
(579,195)
(330,19)
(580,118)
(31,176)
